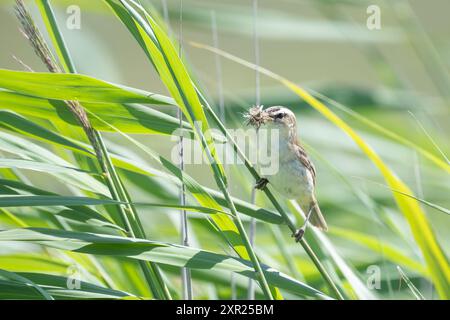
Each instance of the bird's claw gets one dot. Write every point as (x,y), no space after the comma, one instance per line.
(261,183)
(298,235)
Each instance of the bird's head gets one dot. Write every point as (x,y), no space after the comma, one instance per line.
(276,117)
(280,117)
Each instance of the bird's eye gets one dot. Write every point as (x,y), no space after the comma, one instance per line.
(279,115)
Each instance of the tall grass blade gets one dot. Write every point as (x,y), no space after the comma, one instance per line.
(75,87)
(16,278)
(433,254)
(175,77)
(145,250)
(410,285)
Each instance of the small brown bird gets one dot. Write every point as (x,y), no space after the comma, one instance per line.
(296,176)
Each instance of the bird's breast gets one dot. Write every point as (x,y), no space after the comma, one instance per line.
(293,180)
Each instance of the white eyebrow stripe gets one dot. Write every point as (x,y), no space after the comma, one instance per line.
(278,112)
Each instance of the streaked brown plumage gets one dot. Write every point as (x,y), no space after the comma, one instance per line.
(296,177)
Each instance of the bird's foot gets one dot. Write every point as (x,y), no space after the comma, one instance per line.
(261,183)
(298,235)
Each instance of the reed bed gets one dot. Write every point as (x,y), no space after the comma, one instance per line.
(91,195)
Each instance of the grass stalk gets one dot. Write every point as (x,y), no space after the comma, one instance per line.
(155,282)
(168,60)
(237,220)
(417,294)
(423,46)
(252,231)
(133,226)
(417,220)
(53,127)
(258,270)
(284,250)
(273,200)
(185,272)
(218,66)
(56,36)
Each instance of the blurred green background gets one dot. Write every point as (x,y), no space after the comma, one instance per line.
(398,77)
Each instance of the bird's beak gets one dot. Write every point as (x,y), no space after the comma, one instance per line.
(266,116)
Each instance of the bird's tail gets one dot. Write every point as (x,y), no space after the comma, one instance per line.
(317,219)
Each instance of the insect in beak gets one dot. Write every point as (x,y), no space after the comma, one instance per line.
(256,116)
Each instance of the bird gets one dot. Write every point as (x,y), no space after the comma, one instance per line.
(295,178)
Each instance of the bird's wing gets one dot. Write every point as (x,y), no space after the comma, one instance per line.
(317,218)
(304,159)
